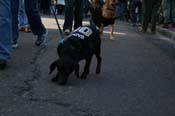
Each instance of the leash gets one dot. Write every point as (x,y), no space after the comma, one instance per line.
(59,28)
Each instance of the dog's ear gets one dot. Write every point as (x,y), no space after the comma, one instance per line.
(53,66)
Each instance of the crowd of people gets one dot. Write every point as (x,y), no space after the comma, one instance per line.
(24,15)
(143,12)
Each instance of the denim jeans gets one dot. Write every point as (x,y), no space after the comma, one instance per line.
(14,10)
(23,21)
(73,10)
(120,10)
(5,30)
(35,22)
(168,11)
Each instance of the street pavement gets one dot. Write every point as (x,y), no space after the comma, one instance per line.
(137,77)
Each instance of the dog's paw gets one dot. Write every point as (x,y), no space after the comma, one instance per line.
(111,37)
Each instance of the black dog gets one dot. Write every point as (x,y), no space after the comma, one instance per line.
(83,43)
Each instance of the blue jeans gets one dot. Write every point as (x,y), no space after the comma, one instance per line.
(73,10)
(5,30)
(23,21)
(168,11)
(32,11)
(120,10)
(14,10)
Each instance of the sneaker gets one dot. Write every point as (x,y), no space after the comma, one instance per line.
(41,39)
(14,45)
(66,31)
(3,64)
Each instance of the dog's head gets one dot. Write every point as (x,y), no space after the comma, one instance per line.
(65,67)
(111,4)
(97,3)
(109,8)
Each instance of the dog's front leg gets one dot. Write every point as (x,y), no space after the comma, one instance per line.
(97,54)
(77,70)
(55,79)
(101,30)
(112,32)
(86,68)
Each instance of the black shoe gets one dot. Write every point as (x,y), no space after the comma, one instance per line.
(3,64)
(41,39)
(66,32)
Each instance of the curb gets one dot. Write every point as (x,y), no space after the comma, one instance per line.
(167,33)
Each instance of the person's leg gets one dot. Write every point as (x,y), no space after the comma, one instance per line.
(133,14)
(68,15)
(78,13)
(46,9)
(154,16)
(147,9)
(32,11)
(173,12)
(166,12)
(5,32)
(23,21)
(15,32)
(139,4)
(35,22)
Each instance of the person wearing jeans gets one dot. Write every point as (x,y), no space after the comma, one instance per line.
(23,21)
(168,13)
(73,11)
(35,22)
(5,33)
(15,32)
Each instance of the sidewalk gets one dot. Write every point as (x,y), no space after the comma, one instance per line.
(170,33)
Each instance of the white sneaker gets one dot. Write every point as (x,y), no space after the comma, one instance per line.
(14,45)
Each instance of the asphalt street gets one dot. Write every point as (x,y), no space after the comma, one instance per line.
(137,77)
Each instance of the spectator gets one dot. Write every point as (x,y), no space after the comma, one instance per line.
(168,13)
(120,9)
(45,6)
(5,33)
(23,21)
(36,25)
(86,7)
(15,32)
(150,13)
(73,10)
(136,9)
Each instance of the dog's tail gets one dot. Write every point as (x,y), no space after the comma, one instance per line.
(53,66)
